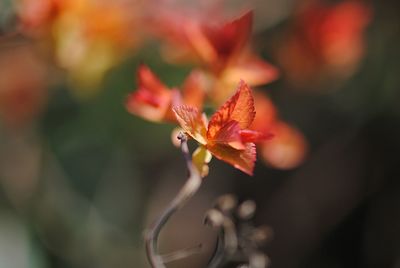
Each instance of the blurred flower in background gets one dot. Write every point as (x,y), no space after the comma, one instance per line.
(23,84)
(88,36)
(288,147)
(325,42)
(219,45)
(153,100)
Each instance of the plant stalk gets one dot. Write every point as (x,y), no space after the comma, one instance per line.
(191,186)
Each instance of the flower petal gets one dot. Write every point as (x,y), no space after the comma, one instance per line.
(192,122)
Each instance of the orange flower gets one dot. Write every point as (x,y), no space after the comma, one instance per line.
(222,49)
(153,100)
(227,136)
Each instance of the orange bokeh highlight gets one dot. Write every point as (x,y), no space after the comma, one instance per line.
(88,37)
(23,85)
(287,148)
(326,41)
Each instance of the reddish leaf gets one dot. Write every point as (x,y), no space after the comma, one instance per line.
(227,136)
(247,135)
(192,122)
(152,100)
(230,134)
(148,81)
(240,159)
(228,39)
(240,107)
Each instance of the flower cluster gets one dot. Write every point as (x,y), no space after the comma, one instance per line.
(224,60)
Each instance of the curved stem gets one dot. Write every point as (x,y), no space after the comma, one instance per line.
(218,256)
(187,191)
(227,243)
(181,254)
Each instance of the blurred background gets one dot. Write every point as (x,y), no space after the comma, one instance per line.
(81,177)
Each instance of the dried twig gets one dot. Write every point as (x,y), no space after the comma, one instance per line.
(238,240)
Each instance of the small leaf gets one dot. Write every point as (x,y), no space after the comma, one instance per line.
(152,99)
(240,107)
(192,122)
(240,159)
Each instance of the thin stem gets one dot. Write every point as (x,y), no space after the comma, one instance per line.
(181,254)
(187,191)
